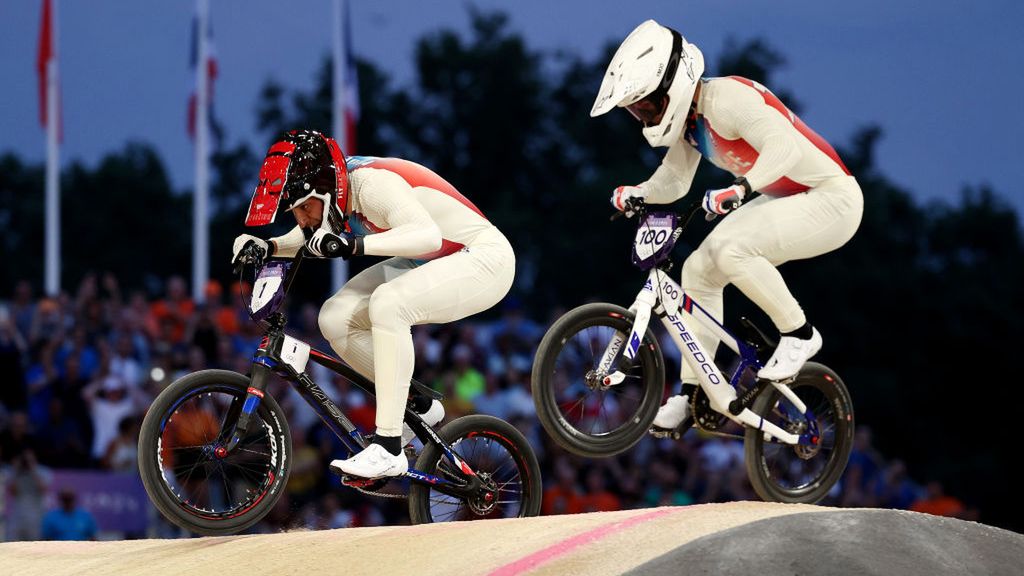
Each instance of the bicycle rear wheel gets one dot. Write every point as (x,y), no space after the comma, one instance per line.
(189,475)
(498,454)
(802,474)
(580,412)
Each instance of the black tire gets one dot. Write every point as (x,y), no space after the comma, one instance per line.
(783,473)
(185,482)
(495,450)
(576,413)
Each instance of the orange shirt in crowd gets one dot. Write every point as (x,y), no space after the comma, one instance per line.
(558,500)
(939,506)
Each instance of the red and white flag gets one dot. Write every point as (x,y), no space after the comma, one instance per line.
(46,55)
(210,77)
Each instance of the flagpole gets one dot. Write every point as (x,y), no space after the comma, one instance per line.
(200,224)
(53,123)
(339,267)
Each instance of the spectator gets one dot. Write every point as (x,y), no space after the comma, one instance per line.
(22,308)
(173,312)
(63,441)
(18,437)
(123,362)
(12,354)
(68,522)
(597,497)
(564,496)
(938,503)
(469,382)
(123,451)
(109,400)
(26,485)
(48,322)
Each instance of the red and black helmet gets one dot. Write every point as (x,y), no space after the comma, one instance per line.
(300,165)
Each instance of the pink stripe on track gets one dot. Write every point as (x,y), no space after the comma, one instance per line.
(554,551)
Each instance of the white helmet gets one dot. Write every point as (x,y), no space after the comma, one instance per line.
(653,74)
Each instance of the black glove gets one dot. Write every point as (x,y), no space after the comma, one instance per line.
(327,245)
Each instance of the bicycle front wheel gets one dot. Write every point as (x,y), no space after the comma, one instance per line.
(581,412)
(802,474)
(191,477)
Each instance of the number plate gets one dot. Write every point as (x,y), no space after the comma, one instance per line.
(655,238)
(295,353)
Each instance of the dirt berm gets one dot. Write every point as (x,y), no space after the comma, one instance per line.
(735,538)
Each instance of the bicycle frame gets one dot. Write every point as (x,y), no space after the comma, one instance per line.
(664,297)
(288,357)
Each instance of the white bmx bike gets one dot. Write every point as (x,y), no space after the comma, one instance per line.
(599,378)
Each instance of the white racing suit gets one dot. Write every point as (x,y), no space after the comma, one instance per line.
(810,204)
(448,262)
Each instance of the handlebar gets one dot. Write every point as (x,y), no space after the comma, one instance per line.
(638,207)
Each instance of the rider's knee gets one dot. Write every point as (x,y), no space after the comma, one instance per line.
(697,269)
(336,315)
(386,308)
(729,257)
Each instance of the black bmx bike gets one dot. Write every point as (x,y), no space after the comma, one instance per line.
(215,449)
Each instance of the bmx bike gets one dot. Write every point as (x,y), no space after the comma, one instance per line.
(215,449)
(599,377)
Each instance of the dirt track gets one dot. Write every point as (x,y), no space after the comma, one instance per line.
(591,544)
(612,546)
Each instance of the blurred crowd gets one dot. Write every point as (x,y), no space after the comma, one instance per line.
(77,373)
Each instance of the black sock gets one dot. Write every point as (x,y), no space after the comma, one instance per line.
(689,390)
(392,444)
(804,332)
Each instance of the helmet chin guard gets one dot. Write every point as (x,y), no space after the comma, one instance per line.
(653,60)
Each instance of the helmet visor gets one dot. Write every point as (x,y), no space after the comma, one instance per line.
(650,109)
(273,175)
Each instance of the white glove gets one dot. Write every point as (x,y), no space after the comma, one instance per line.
(725,200)
(244,240)
(623,193)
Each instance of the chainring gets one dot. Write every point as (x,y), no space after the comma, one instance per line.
(704,415)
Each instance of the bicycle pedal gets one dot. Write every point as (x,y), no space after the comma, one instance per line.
(358,482)
(664,433)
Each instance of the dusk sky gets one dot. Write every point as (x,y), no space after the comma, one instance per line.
(944,79)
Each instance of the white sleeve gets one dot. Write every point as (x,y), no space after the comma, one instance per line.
(391,203)
(289,244)
(763,127)
(671,181)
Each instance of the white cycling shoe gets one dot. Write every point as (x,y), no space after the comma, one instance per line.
(672,414)
(373,462)
(432,416)
(790,357)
